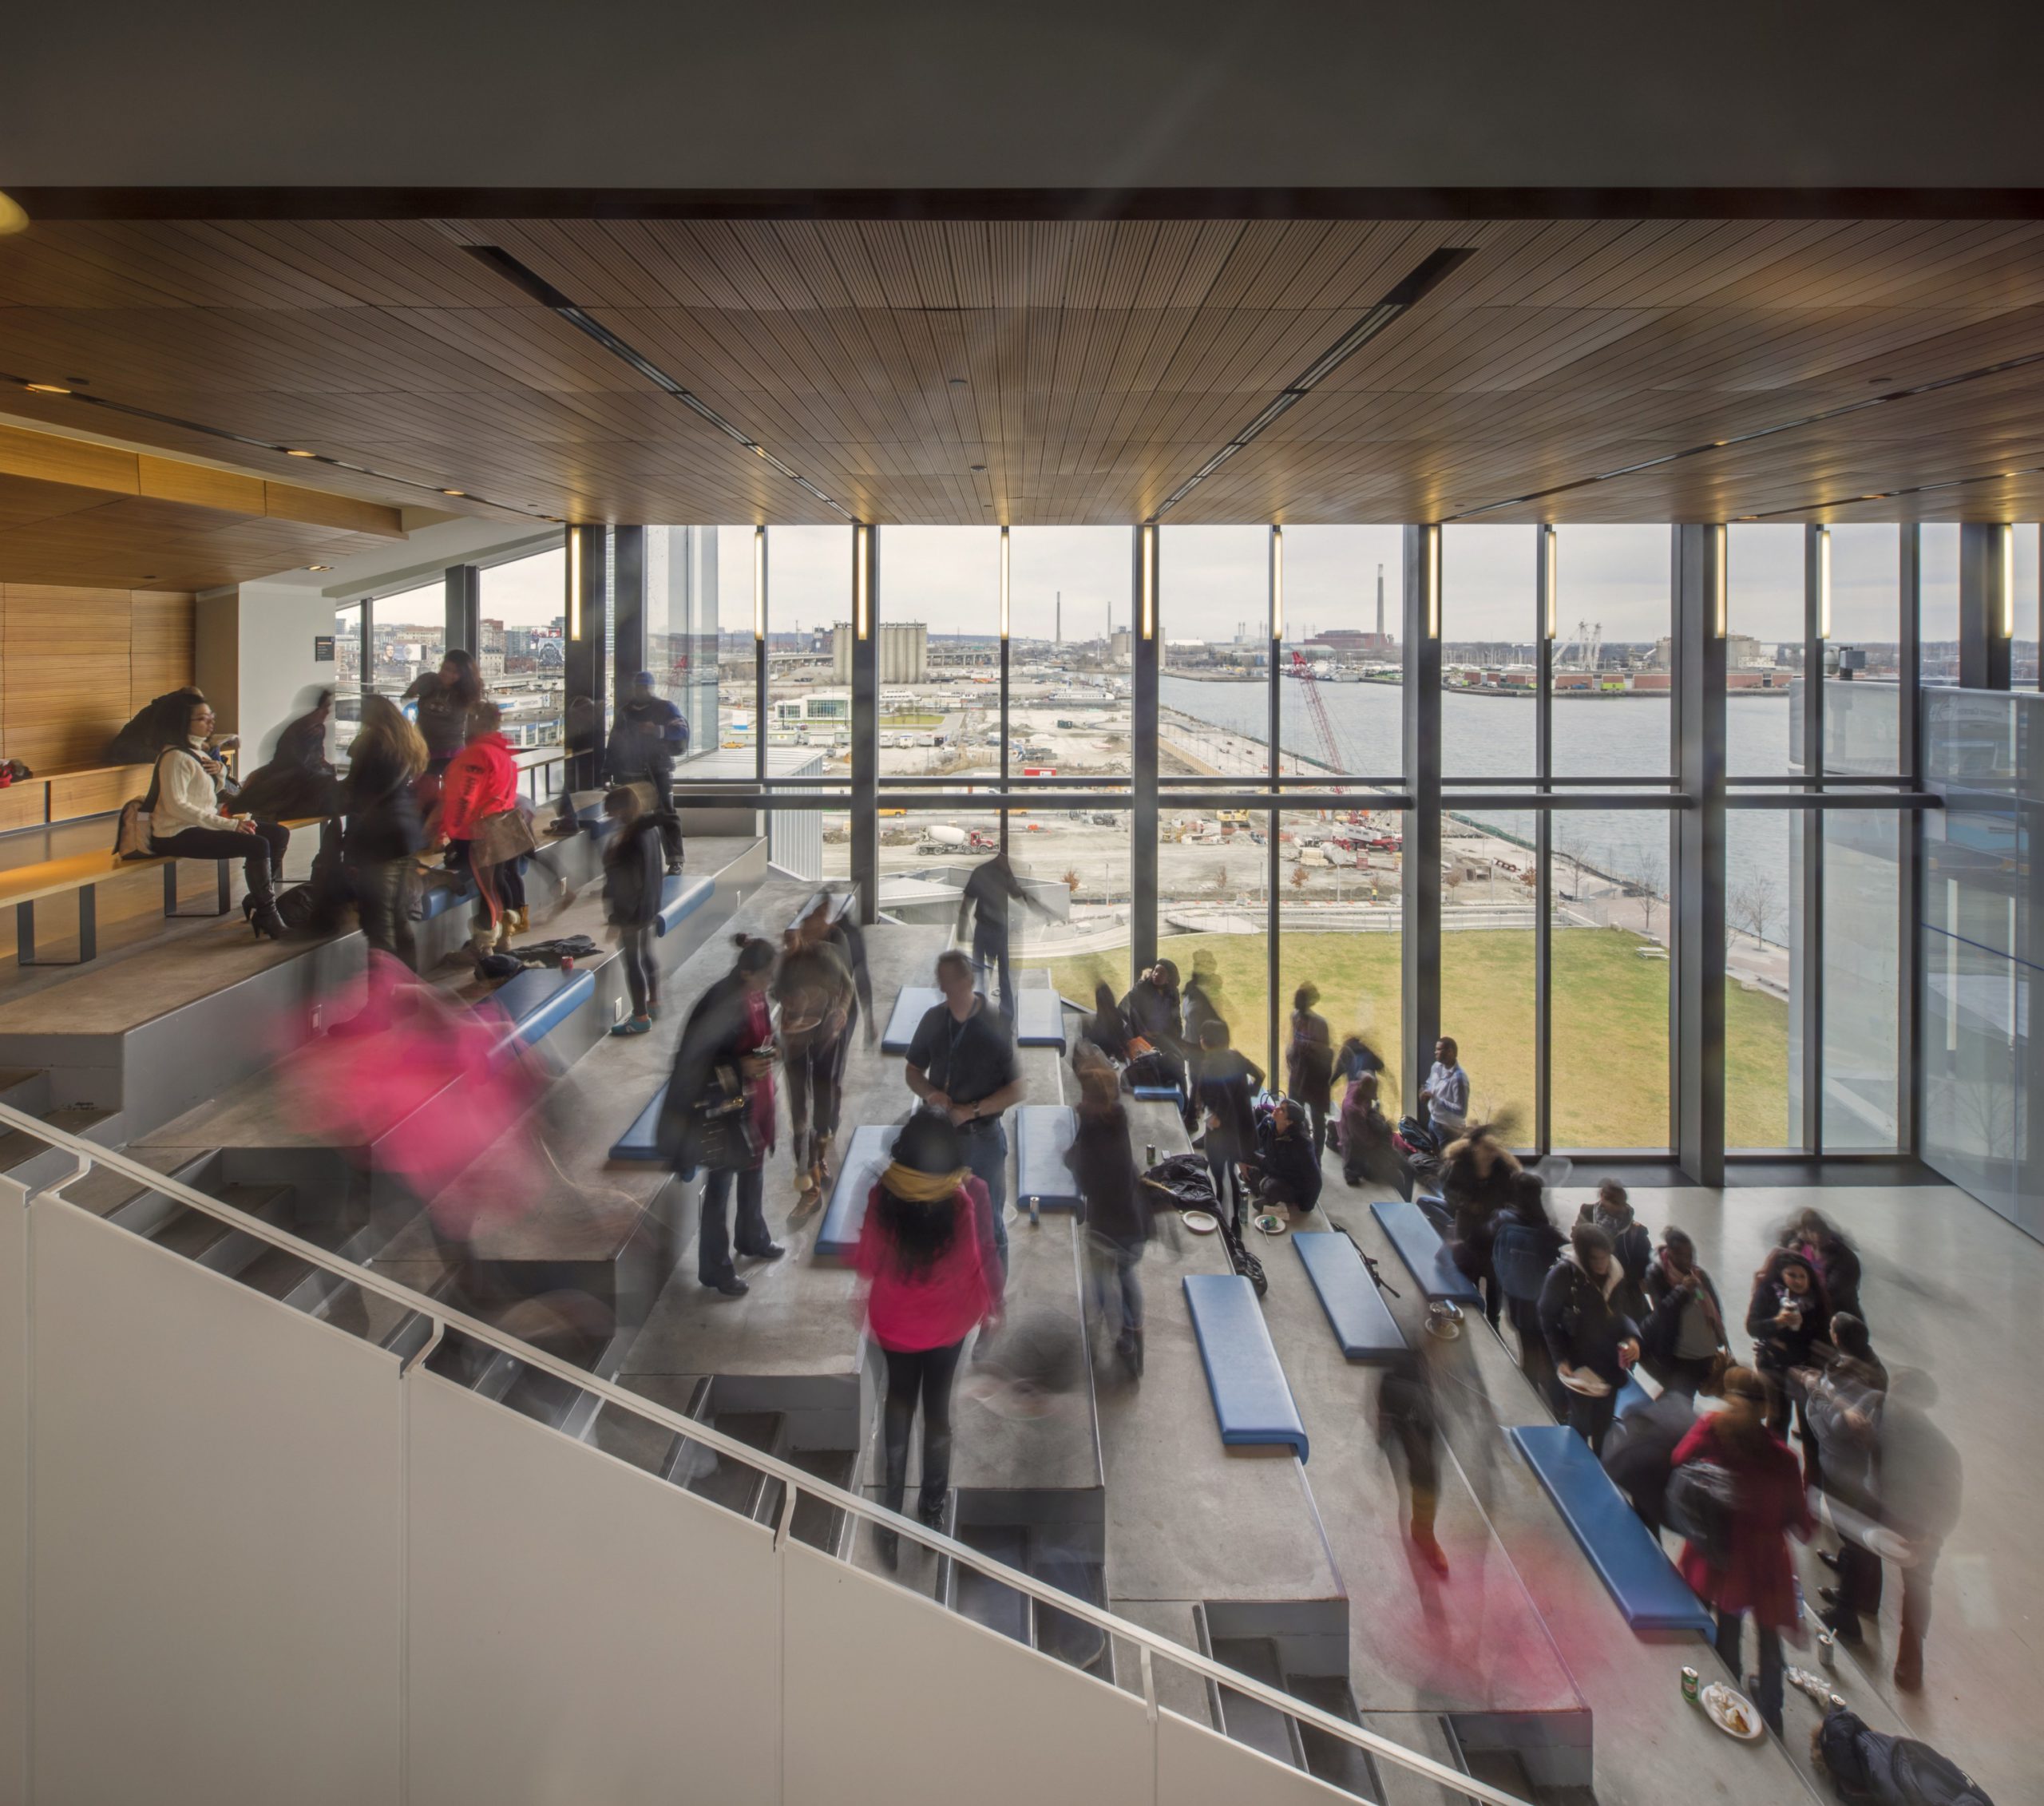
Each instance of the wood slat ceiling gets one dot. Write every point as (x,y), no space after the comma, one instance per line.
(1088,367)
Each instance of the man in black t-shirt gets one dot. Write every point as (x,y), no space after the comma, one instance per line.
(962,1062)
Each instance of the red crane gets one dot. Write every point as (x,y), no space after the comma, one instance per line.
(1310,690)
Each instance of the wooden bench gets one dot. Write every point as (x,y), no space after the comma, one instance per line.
(69,795)
(81,874)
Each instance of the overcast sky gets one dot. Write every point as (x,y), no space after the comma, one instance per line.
(1215,579)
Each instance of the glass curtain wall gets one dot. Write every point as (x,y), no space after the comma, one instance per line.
(408,637)
(684,650)
(346,719)
(519,655)
(809,601)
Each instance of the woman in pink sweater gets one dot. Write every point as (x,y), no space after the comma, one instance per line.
(482,780)
(926,1248)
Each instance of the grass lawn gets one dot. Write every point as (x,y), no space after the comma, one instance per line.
(1611,1038)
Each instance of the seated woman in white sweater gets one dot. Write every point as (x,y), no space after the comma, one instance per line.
(186,821)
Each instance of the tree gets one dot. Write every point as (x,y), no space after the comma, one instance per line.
(1753,906)
(1298,878)
(1220,878)
(1071,882)
(1653,885)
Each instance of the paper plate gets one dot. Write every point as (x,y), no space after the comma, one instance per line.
(1589,1384)
(1883,1541)
(1272,1224)
(1731,1712)
(1202,1222)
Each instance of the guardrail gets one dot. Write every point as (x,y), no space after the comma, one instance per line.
(1151,1646)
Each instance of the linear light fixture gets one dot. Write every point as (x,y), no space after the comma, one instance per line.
(1276,582)
(1147,584)
(1430,270)
(2007,536)
(1550,580)
(1823,583)
(1720,588)
(862,601)
(1433,581)
(759,583)
(574,583)
(1003,582)
(548,296)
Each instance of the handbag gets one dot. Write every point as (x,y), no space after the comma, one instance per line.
(499,838)
(1700,1504)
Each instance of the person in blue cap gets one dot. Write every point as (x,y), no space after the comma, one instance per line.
(647,736)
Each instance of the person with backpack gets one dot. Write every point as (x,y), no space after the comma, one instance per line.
(1740,1567)
(1591,1340)
(187,822)
(383,830)
(1682,1341)
(647,737)
(1525,1244)
(631,902)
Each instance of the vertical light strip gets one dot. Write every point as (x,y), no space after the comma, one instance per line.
(1148,602)
(1551,567)
(2008,579)
(758,583)
(1276,582)
(574,583)
(1004,584)
(861,625)
(1721,581)
(1433,581)
(1823,583)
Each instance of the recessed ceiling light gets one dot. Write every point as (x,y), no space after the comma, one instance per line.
(453,492)
(45,388)
(957,382)
(1880,379)
(82,382)
(979,467)
(290,451)
(319,567)
(149,577)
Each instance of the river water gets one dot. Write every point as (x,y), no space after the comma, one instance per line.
(1493,737)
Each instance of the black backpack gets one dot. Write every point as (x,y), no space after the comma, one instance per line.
(1520,1256)
(1700,1503)
(1871,1766)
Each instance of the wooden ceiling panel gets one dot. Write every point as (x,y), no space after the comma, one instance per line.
(1102,362)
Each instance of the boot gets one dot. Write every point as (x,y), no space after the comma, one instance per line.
(1909,1662)
(262,902)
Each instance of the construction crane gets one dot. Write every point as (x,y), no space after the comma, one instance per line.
(1310,690)
(1589,641)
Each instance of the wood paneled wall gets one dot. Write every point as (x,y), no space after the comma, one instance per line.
(75,663)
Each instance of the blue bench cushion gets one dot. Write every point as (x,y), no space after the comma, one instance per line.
(539,999)
(1043,1131)
(1251,1402)
(1634,1567)
(915,1002)
(641,1141)
(437,899)
(1425,1255)
(1363,1326)
(1632,1395)
(864,1155)
(679,899)
(1157,1094)
(1040,1020)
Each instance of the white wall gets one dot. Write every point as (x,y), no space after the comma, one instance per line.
(273,629)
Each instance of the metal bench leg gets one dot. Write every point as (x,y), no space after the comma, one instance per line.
(227,891)
(170,905)
(87,931)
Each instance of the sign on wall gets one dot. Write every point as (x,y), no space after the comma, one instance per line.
(323,648)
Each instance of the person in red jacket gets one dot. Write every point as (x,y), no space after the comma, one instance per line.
(1758,1578)
(482,780)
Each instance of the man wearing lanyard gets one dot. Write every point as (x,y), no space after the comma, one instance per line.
(962,1062)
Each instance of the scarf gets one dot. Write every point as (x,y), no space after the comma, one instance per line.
(913,1187)
(1676,1276)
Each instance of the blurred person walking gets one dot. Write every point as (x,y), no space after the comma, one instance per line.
(1811,1234)
(961,1064)
(1310,1063)
(1844,1398)
(1369,1153)
(719,1116)
(1592,1343)
(926,1249)
(1199,1004)
(442,700)
(648,734)
(1408,1421)
(813,990)
(1742,1569)
(1446,1092)
(1639,1453)
(382,832)
(1223,1084)
(983,911)
(632,868)
(1117,1219)
(1920,1485)
(187,819)
(1682,1342)
(1525,1244)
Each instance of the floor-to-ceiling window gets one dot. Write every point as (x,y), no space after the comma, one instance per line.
(522,624)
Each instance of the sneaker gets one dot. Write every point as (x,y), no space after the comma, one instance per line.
(634,1025)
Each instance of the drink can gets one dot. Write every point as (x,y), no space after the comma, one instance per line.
(1827,1649)
(1150,1153)
(567,962)
(1690,1681)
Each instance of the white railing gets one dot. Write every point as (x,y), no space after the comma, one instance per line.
(1150,1645)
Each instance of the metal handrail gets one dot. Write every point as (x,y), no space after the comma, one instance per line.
(444,1318)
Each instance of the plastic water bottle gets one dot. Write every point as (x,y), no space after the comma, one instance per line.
(1797,1582)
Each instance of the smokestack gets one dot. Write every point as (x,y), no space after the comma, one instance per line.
(1060,617)
(1380,605)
